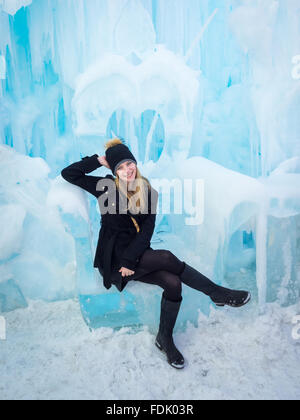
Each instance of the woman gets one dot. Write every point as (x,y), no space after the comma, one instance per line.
(128,206)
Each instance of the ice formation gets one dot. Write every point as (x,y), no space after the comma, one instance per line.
(206,91)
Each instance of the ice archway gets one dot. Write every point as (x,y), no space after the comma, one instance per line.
(161,82)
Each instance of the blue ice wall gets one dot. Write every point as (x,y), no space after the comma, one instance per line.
(204,90)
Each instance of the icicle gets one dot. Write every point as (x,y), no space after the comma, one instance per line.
(199,36)
(261,254)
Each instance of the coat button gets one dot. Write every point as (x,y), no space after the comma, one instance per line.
(113,204)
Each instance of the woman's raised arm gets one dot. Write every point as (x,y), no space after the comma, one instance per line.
(76,174)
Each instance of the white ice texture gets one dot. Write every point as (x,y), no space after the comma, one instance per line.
(12,6)
(205,90)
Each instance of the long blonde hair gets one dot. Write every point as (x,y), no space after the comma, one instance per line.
(140,201)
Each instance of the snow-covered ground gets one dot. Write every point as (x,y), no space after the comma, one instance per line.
(49,353)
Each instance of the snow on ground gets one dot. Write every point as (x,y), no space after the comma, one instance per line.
(49,353)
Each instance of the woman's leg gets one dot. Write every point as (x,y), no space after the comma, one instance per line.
(159,259)
(162,259)
(170,305)
(218,294)
(170,282)
(165,260)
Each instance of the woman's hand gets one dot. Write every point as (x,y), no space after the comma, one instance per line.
(126,271)
(103,161)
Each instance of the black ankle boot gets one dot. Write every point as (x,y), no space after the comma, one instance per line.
(164,339)
(218,294)
(234,298)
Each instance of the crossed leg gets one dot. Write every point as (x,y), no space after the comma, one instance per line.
(159,259)
(162,268)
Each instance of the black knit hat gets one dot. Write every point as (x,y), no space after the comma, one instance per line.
(116,153)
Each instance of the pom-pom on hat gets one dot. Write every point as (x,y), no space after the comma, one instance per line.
(116,153)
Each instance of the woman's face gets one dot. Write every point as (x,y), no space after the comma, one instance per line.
(127,171)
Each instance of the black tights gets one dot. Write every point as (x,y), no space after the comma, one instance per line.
(162,268)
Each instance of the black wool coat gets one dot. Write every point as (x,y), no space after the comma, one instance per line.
(119,242)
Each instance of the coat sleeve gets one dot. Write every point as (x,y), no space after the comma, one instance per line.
(142,239)
(76,174)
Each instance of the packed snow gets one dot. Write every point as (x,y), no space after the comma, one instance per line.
(49,353)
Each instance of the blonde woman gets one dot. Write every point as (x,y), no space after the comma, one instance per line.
(128,205)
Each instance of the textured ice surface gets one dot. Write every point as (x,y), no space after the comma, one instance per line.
(11,297)
(12,6)
(204,90)
(34,245)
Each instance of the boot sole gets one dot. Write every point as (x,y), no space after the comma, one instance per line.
(162,350)
(236,306)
